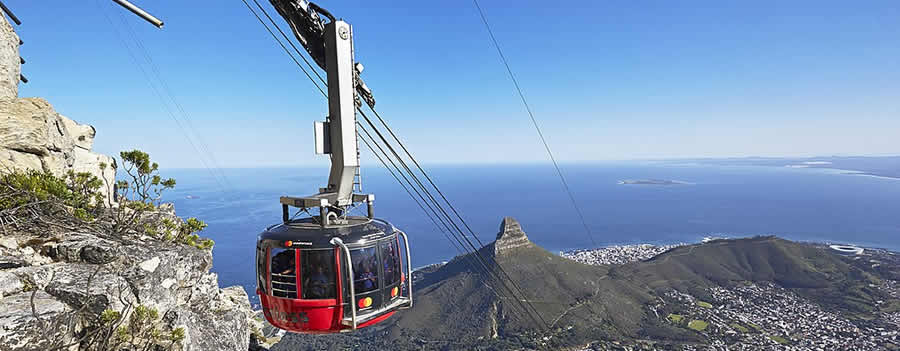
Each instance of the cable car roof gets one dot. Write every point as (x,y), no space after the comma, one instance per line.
(307,233)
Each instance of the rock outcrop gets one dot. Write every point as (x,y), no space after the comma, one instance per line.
(9,61)
(510,237)
(83,269)
(33,136)
(55,284)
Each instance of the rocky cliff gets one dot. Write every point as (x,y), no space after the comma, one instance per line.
(58,281)
(9,61)
(63,273)
(510,237)
(34,136)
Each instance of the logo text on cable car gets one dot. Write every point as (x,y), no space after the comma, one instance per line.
(289,317)
(290,243)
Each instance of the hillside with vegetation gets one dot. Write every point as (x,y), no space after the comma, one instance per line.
(716,293)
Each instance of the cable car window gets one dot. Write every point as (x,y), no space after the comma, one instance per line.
(284,273)
(317,271)
(365,269)
(261,268)
(390,256)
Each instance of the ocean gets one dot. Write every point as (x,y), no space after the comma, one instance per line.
(726,201)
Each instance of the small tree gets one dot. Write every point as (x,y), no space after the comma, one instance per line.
(139,194)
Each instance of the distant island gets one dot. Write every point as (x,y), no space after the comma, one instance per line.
(879,166)
(651,182)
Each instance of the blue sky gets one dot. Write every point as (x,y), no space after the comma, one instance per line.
(607,79)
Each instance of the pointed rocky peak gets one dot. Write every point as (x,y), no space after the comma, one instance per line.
(511,236)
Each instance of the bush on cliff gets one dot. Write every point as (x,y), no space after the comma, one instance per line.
(142,330)
(41,197)
(33,193)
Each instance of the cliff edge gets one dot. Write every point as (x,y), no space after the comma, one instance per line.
(75,285)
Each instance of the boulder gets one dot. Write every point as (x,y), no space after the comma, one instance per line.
(92,287)
(12,161)
(49,325)
(10,284)
(25,126)
(34,136)
(220,330)
(37,277)
(82,134)
(8,262)
(9,242)
(10,68)
(86,248)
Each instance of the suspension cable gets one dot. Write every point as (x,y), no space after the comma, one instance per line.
(285,48)
(465,242)
(391,171)
(536,126)
(475,256)
(291,42)
(513,291)
(165,88)
(156,91)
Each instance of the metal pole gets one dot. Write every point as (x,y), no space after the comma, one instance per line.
(10,14)
(141,13)
(323,216)
(341,111)
(408,268)
(352,304)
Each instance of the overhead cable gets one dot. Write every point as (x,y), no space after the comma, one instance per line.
(512,77)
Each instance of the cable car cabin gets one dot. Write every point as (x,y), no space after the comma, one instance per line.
(314,279)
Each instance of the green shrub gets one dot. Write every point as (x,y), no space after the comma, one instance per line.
(141,330)
(76,192)
(77,195)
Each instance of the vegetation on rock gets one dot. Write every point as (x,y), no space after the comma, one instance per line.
(125,261)
(38,192)
(31,196)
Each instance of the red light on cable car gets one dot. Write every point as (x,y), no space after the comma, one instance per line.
(365,302)
(288,243)
(395,291)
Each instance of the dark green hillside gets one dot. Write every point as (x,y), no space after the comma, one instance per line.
(564,293)
(810,270)
(455,309)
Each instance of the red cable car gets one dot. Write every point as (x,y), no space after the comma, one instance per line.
(332,272)
(339,278)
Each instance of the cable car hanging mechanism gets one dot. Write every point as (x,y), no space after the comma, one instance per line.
(332,272)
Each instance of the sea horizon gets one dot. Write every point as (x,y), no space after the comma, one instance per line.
(802,204)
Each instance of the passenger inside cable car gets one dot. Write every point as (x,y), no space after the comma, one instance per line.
(284,277)
(317,268)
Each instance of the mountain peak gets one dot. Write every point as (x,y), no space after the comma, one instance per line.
(511,236)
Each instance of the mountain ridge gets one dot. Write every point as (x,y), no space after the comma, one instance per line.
(585,304)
